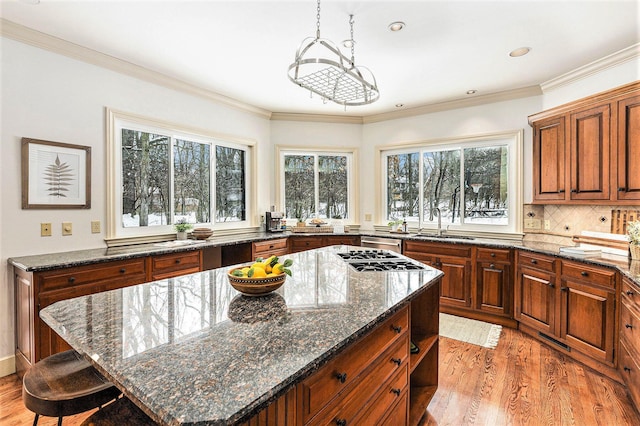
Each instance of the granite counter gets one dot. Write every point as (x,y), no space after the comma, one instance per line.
(191,350)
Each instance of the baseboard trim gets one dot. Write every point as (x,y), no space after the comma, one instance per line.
(7,366)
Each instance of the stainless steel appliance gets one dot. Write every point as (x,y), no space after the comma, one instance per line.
(378,260)
(382,243)
(273,221)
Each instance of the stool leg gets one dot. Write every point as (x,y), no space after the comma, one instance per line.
(35,420)
(60,421)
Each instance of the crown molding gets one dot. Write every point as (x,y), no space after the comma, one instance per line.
(506,95)
(630,53)
(316,118)
(57,45)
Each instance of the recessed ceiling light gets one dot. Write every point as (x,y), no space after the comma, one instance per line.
(399,105)
(396,26)
(471,92)
(521,51)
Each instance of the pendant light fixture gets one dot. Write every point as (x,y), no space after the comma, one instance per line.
(322,69)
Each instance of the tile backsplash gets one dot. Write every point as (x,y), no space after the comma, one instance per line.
(565,221)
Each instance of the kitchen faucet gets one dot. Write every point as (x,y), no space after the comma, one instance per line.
(439,231)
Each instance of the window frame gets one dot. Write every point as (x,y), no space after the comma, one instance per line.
(352,175)
(512,139)
(116,234)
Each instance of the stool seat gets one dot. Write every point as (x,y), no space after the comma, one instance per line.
(118,413)
(65,384)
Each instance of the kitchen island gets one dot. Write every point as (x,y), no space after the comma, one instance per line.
(192,350)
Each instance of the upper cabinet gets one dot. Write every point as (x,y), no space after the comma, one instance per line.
(584,151)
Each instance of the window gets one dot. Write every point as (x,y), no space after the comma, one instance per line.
(472,184)
(317,184)
(163,174)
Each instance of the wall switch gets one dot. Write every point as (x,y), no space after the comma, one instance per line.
(45,229)
(67,228)
(367,217)
(532,223)
(95,226)
(547,224)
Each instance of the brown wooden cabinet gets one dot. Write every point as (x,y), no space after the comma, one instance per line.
(37,290)
(456,263)
(268,248)
(629,358)
(582,151)
(493,282)
(535,292)
(308,242)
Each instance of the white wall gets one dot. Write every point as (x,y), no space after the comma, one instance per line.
(52,97)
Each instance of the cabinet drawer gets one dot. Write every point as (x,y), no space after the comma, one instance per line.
(455,250)
(174,264)
(540,262)
(398,415)
(603,277)
(359,397)
(319,389)
(493,255)
(390,393)
(270,245)
(345,240)
(631,292)
(630,371)
(125,271)
(630,326)
(305,243)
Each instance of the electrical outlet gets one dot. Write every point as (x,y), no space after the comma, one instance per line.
(95,226)
(45,229)
(547,224)
(67,228)
(532,223)
(367,217)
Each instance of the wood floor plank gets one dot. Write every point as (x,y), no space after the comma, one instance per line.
(520,382)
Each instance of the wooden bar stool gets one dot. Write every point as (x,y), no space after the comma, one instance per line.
(64,384)
(118,413)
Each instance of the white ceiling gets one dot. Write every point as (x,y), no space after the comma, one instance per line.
(242,49)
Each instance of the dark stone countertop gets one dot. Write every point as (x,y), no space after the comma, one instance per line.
(191,350)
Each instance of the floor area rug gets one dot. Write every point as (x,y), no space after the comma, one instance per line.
(471,331)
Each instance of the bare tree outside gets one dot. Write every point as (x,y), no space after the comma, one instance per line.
(299,186)
(332,186)
(403,183)
(230,184)
(192,181)
(441,188)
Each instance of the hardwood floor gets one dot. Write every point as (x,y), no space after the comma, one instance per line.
(521,382)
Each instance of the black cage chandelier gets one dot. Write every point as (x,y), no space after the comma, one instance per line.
(322,69)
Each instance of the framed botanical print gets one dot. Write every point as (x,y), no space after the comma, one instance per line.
(55,175)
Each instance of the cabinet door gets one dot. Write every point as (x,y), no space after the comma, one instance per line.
(590,145)
(535,299)
(492,289)
(455,287)
(629,149)
(588,322)
(549,152)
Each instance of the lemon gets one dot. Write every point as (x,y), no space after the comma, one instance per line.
(258,273)
(278,268)
(245,271)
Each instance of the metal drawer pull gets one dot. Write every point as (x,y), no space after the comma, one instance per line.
(629,293)
(396,391)
(534,261)
(123,270)
(177,260)
(564,288)
(552,285)
(627,369)
(493,255)
(72,279)
(628,326)
(584,273)
(342,377)
(341,422)
(492,266)
(396,328)
(398,361)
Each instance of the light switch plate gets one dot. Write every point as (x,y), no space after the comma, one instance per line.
(67,228)
(95,226)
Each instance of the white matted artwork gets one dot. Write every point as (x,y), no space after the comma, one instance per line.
(55,175)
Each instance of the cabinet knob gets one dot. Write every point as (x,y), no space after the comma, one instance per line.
(584,273)
(270,247)
(628,326)
(492,266)
(534,261)
(560,191)
(492,255)
(564,288)
(177,261)
(396,328)
(341,422)
(552,285)
(72,279)
(622,188)
(342,377)
(629,293)
(574,190)
(627,369)
(396,391)
(397,361)
(123,270)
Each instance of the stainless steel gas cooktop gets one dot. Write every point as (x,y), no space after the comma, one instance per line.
(377,261)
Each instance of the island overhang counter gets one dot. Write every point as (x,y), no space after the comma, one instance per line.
(192,350)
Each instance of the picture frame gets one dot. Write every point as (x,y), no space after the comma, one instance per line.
(55,175)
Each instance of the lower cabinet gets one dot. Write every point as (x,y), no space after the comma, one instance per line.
(375,381)
(268,248)
(306,242)
(629,357)
(569,305)
(493,282)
